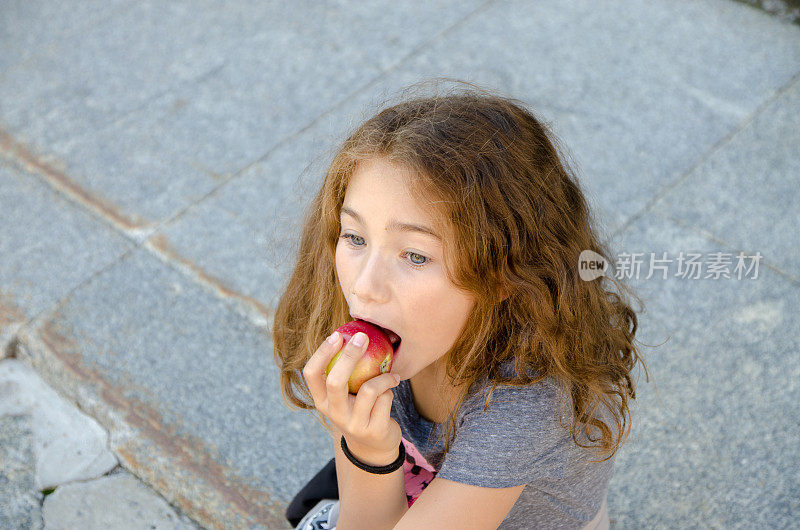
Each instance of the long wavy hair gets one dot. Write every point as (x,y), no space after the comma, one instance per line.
(498,183)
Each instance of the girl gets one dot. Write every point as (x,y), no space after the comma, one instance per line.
(453,221)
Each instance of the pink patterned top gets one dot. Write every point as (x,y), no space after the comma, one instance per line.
(418,472)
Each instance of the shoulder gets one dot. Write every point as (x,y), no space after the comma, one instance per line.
(511,436)
(534,404)
(519,413)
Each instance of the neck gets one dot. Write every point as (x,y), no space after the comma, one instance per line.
(434,396)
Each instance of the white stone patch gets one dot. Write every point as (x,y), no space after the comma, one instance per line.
(69,445)
(118,501)
(763,317)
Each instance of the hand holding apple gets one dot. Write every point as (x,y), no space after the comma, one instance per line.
(336,369)
(377,358)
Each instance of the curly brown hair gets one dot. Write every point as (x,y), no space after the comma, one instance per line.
(497,179)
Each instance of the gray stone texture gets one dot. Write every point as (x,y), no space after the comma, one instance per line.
(115,502)
(48,247)
(752,182)
(20,503)
(69,444)
(716,427)
(156,161)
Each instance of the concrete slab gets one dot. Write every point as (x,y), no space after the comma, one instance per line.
(201,93)
(786,10)
(747,193)
(186,387)
(20,503)
(715,430)
(87,80)
(594,92)
(69,445)
(261,94)
(244,236)
(47,247)
(30,26)
(638,93)
(114,502)
(123,166)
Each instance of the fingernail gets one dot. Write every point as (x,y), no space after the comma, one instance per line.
(396,377)
(334,337)
(359,339)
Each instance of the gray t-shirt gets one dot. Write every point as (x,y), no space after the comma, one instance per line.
(516,440)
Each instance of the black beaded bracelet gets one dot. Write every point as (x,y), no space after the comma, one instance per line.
(378,470)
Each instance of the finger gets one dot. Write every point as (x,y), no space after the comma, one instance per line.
(314,370)
(367,396)
(339,375)
(381,412)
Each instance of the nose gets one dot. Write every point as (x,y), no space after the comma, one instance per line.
(371,280)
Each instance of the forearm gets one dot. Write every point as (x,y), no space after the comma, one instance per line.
(367,500)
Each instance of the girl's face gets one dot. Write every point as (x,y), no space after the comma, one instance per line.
(393,275)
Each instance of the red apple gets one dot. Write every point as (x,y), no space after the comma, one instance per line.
(376,360)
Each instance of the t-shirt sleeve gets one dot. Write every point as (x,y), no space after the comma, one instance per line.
(516,440)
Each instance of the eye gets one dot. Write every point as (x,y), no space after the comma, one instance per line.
(414,263)
(411,263)
(349,239)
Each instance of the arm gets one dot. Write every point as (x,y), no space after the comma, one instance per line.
(443,504)
(367,500)
(449,504)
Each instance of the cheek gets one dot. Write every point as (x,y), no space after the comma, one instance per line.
(427,304)
(440,312)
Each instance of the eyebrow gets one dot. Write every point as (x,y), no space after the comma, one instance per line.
(394,224)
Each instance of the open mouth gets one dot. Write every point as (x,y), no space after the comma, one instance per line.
(393,337)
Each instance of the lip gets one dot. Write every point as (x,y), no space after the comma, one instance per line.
(359,317)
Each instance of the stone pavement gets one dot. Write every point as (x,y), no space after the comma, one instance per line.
(57,469)
(155,160)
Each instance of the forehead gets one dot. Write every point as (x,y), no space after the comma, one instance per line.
(395,225)
(380,189)
(380,193)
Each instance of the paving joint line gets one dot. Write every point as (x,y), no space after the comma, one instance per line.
(145,242)
(292,136)
(703,158)
(15,338)
(709,236)
(22,160)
